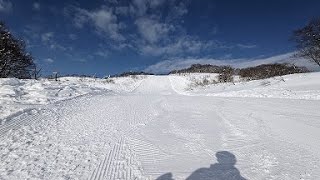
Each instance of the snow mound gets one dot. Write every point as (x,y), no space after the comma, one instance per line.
(17,95)
(294,86)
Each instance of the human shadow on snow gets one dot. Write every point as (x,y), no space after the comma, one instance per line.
(223,170)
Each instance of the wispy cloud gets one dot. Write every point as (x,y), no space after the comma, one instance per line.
(168,65)
(102,53)
(140,7)
(177,11)
(73,36)
(46,37)
(50,41)
(246,46)
(36,37)
(148,31)
(5,6)
(177,63)
(48,60)
(103,20)
(36,6)
(143,27)
(122,10)
(214,30)
(181,45)
(152,30)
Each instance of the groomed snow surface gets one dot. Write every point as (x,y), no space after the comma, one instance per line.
(160,127)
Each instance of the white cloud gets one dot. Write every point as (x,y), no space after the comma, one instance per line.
(174,64)
(5,6)
(56,46)
(46,37)
(155,3)
(176,11)
(79,16)
(181,45)
(36,6)
(163,35)
(141,26)
(151,30)
(103,54)
(103,19)
(48,60)
(246,46)
(214,30)
(112,1)
(31,33)
(73,37)
(122,10)
(140,7)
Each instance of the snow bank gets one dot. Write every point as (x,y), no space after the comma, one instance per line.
(17,95)
(295,86)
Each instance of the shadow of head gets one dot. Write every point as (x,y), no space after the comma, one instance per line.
(167,176)
(226,158)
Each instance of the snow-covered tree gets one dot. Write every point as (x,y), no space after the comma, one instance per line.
(14,60)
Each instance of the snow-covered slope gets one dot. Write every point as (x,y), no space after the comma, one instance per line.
(295,86)
(16,95)
(159,130)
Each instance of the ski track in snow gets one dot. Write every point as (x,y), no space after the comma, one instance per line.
(119,163)
(155,130)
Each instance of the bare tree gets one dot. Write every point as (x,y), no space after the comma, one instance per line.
(226,74)
(270,70)
(308,41)
(36,72)
(14,60)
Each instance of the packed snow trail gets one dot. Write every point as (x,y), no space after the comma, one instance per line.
(155,132)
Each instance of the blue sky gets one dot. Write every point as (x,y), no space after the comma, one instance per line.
(111,36)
